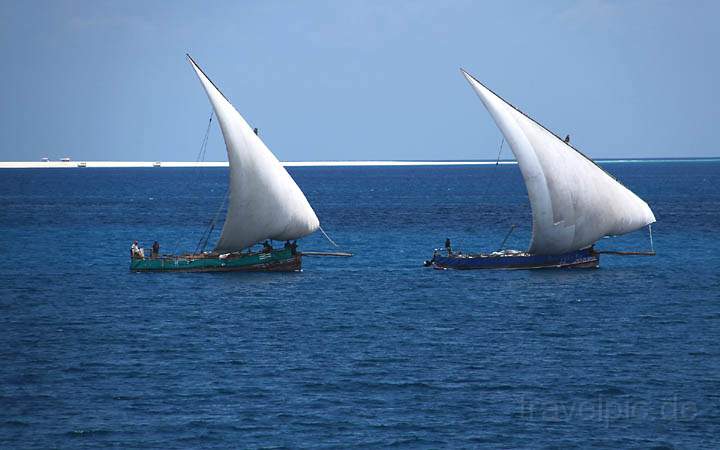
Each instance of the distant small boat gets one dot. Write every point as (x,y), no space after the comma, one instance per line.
(65,159)
(264,203)
(82,164)
(156,164)
(45,159)
(574,201)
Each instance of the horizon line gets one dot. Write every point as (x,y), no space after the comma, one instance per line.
(344,163)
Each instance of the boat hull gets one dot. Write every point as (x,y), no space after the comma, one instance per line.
(282,260)
(585,258)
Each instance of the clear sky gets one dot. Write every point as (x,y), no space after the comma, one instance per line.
(329,80)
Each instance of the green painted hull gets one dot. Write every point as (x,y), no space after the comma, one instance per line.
(281,260)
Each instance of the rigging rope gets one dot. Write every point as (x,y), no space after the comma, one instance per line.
(205,238)
(200,157)
(203,146)
(207,233)
(328,237)
(652,246)
(491,182)
(497,162)
(502,245)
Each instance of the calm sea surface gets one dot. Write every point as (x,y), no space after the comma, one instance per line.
(369,351)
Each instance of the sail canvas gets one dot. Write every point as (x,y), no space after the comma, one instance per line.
(574,202)
(264,201)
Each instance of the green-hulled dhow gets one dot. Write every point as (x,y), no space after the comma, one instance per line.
(264,203)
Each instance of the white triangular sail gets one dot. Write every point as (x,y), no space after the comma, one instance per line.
(264,201)
(574,202)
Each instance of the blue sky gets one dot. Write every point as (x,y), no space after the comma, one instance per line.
(329,80)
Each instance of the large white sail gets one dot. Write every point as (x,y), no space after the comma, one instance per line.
(264,201)
(574,202)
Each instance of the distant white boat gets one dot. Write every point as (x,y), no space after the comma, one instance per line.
(82,164)
(65,159)
(156,164)
(43,159)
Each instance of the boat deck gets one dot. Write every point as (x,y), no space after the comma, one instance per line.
(511,259)
(280,260)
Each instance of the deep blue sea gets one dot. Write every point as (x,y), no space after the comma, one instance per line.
(372,351)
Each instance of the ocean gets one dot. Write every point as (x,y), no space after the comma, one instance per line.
(370,351)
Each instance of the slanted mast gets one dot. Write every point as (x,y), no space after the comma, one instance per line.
(264,201)
(574,202)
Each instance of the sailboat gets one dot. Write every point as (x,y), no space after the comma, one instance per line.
(574,201)
(264,203)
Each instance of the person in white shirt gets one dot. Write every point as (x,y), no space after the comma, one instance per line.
(135,251)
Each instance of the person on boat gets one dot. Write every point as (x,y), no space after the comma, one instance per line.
(448,247)
(567,139)
(267,248)
(431,261)
(292,246)
(136,251)
(255,130)
(155,249)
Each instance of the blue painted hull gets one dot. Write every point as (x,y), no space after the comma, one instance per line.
(586,258)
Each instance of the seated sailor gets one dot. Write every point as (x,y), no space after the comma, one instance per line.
(135,251)
(292,246)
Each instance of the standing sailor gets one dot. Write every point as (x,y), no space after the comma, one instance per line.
(448,247)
